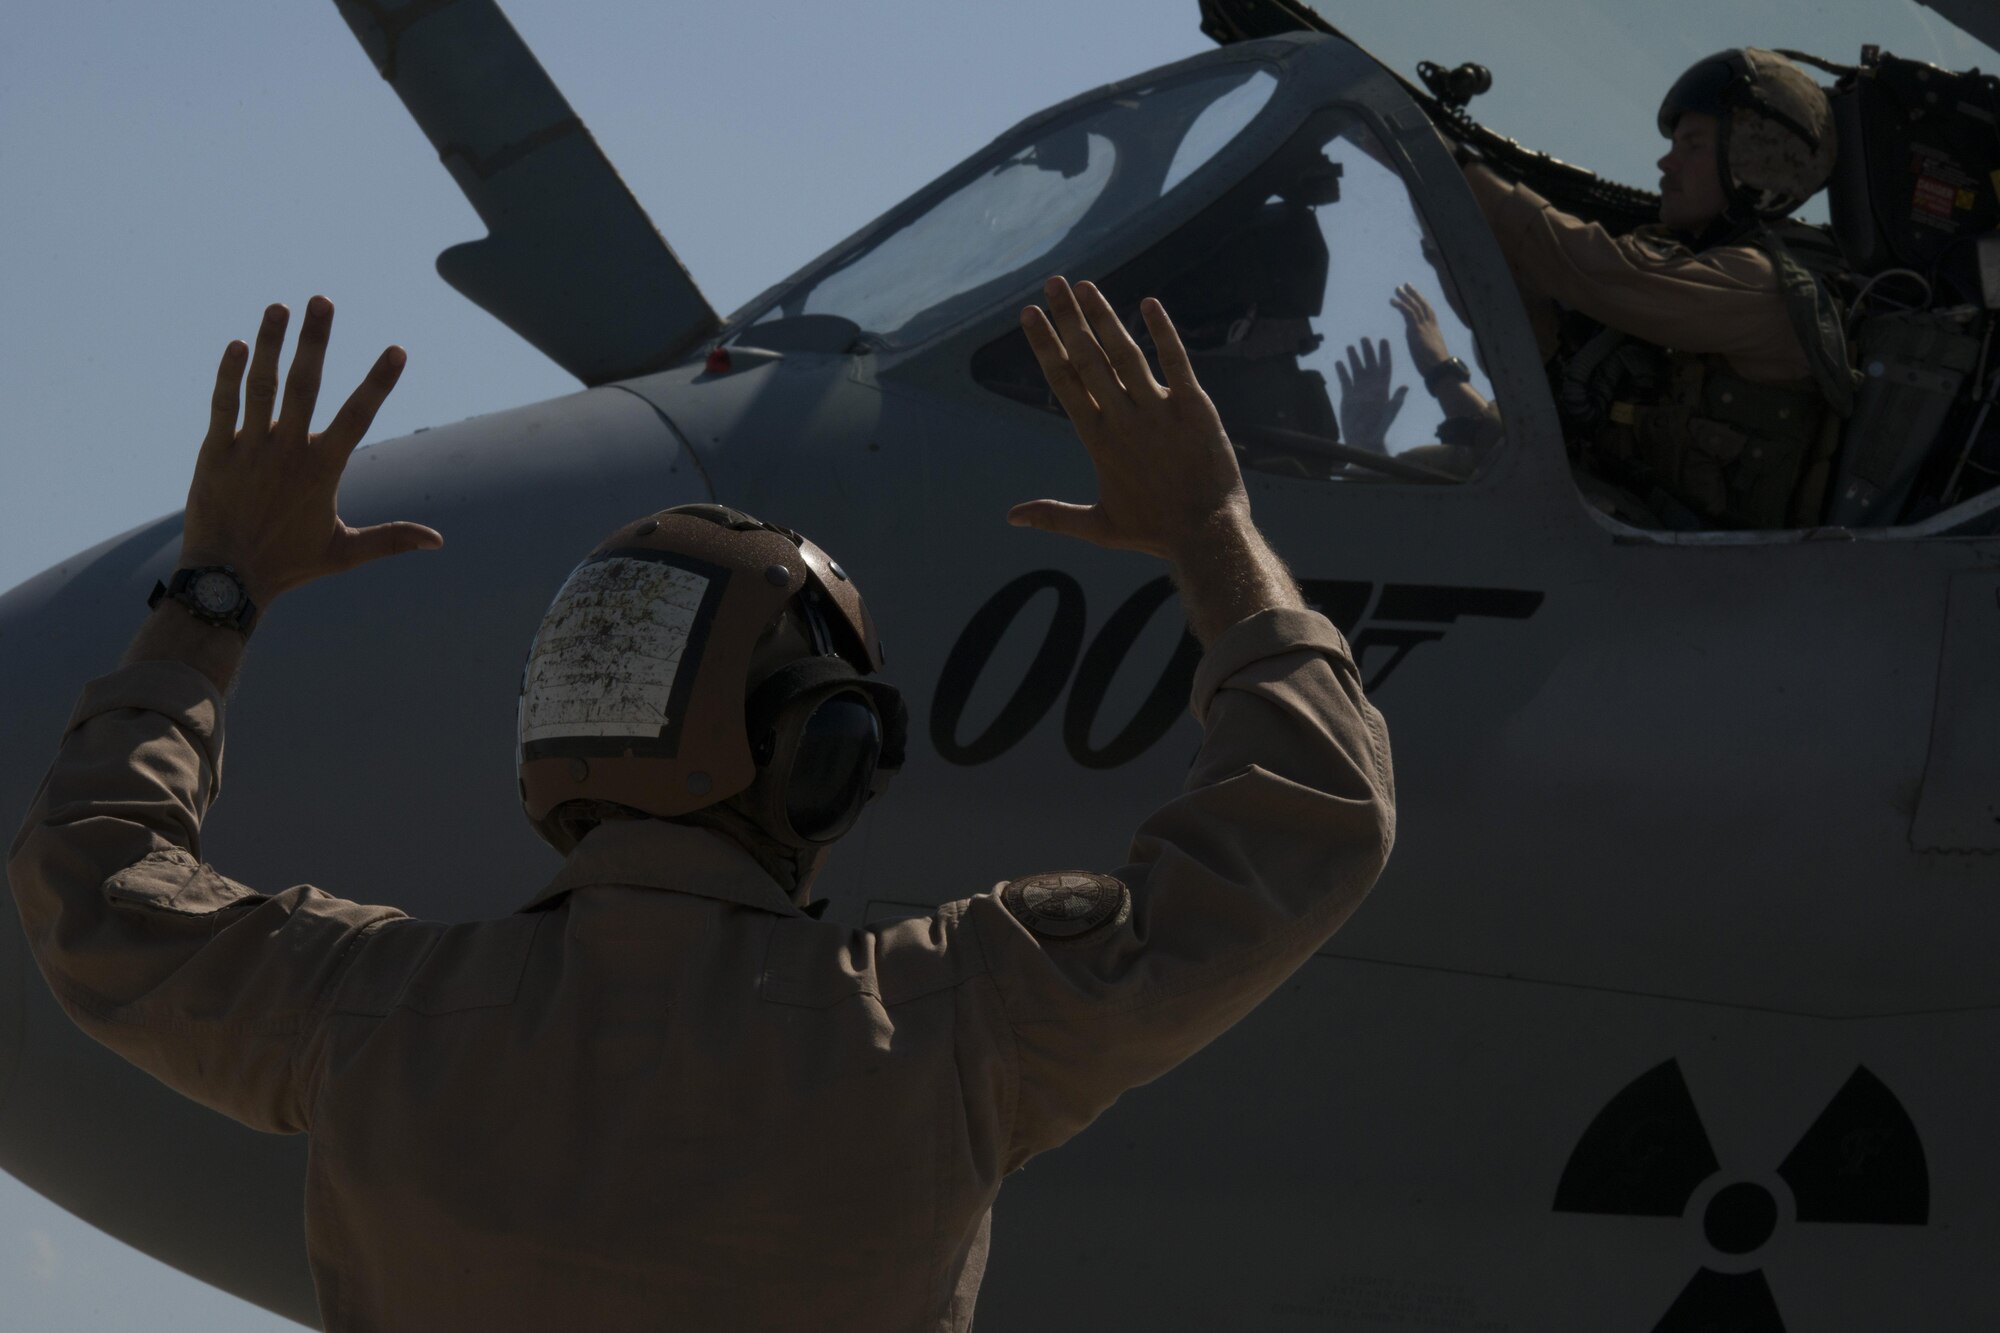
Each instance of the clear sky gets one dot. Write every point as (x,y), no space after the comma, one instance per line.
(166,170)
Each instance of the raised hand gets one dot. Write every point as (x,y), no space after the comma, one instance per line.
(263,496)
(1167,480)
(1165,468)
(1367,408)
(1420,328)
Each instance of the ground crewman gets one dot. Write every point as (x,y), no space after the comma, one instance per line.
(666,1094)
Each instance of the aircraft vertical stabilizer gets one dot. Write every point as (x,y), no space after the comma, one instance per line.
(571,262)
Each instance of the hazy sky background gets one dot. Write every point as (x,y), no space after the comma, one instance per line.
(166,170)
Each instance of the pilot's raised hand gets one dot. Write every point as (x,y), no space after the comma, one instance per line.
(263,496)
(1454,393)
(1167,479)
(1420,329)
(1367,408)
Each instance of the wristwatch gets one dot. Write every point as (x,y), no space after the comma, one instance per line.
(1450,368)
(213,593)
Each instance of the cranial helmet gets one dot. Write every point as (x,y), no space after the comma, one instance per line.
(1775,140)
(700,655)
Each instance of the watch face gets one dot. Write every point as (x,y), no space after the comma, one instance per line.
(216,593)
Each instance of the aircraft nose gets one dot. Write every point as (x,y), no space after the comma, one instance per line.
(60,628)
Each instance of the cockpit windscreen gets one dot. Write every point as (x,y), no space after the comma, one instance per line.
(1034,207)
(1320,316)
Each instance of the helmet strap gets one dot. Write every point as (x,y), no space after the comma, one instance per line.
(1734,191)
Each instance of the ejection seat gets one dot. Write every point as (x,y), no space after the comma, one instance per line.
(1915,205)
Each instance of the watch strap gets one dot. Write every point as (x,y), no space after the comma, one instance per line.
(1450,368)
(179,587)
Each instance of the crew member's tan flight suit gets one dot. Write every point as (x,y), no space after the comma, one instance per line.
(1740,432)
(663,1096)
(1723,300)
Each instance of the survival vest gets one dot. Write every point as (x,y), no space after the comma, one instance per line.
(1699,445)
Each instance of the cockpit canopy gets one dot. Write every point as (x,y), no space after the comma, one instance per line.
(1278,234)
(1036,203)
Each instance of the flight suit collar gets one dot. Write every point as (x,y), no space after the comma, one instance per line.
(656,854)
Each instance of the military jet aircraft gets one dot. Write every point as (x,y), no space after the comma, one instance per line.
(1672,1008)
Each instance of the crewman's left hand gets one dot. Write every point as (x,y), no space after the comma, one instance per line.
(1367,408)
(263,496)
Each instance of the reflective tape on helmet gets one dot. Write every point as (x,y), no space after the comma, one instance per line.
(610,650)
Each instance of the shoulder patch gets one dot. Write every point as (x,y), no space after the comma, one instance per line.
(1068,903)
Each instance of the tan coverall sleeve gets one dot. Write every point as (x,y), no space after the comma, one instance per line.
(211,987)
(1724,300)
(1284,822)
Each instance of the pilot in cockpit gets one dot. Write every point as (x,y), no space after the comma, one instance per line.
(1700,364)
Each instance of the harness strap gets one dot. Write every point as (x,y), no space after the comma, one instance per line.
(1818,320)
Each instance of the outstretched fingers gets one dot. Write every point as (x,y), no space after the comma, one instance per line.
(358,546)
(302,382)
(1119,348)
(1410,303)
(261,391)
(1057,368)
(356,414)
(1061,517)
(1085,352)
(1175,363)
(1359,361)
(225,401)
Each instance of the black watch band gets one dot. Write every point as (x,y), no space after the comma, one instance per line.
(1450,368)
(212,593)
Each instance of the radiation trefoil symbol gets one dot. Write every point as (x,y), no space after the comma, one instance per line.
(1647,1155)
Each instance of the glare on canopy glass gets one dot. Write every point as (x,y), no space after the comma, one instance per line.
(1032,205)
(1282,293)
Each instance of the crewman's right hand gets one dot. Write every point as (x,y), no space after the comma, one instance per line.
(1167,480)
(1420,328)
(263,496)
(1166,473)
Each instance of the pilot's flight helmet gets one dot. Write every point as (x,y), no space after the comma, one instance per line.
(697,655)
(1775,140)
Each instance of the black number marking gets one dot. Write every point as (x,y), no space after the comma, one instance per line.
(1403,618)
(1038,689)
(1162,707)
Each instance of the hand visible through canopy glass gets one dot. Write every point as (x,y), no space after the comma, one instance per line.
(1032,207)
(1367,407)
(1269,288)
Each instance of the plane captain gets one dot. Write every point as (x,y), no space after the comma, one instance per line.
(1707,383)
(666,1093)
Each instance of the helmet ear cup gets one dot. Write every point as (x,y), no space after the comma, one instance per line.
(826,741)
(832,769)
